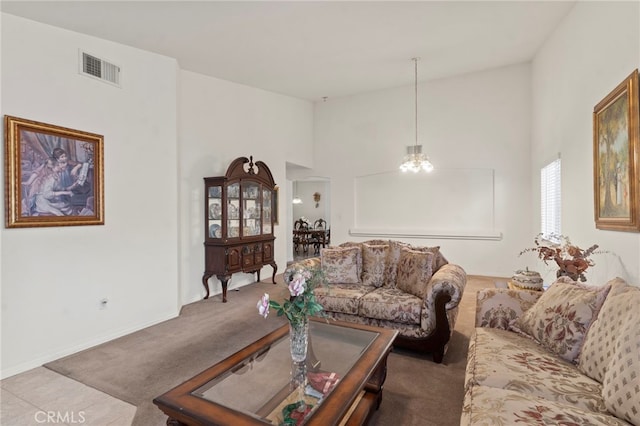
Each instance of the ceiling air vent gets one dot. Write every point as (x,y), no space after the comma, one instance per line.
(95,67)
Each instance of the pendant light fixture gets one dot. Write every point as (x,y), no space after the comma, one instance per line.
(296,199)
(415,160)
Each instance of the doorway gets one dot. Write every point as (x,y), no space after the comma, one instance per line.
(312,196)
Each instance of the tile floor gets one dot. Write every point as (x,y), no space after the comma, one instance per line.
(42,397)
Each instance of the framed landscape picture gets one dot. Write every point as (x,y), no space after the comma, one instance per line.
(53,175)
(615,158)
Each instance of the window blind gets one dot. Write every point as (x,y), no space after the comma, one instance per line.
(550,200)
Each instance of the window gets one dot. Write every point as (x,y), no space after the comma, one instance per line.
(550,198)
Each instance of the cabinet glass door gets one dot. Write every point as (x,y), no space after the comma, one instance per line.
(251,209)
(233,210)
(266,211)
(214,217)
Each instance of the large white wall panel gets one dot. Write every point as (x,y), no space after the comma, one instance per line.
(54,278)
(595,48)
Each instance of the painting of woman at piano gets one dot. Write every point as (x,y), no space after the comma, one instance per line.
(57,176)
(54,175)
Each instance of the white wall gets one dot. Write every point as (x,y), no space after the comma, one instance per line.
(54,278)
(475,120)
(148,257)
(595,48)
(220,121)
(308,209)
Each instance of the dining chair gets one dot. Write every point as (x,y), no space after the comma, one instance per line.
(319,238)
(300,237)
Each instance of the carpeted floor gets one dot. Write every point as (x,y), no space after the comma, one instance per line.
(138,367)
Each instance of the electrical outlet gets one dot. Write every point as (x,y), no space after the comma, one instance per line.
(103,303)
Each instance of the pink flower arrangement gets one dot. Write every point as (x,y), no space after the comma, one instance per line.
(302,302)
(298,282)
(263,305)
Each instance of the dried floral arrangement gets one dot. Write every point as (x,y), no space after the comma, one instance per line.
(572,261)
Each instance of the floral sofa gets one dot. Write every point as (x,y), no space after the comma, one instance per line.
(568,356)
(391,284)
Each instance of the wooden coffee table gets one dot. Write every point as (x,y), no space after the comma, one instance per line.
(252,386)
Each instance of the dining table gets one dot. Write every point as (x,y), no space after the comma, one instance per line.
(305,237)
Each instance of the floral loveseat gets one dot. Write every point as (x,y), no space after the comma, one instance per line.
(391,284)
(568,356)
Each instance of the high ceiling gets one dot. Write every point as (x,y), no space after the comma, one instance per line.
(317,49)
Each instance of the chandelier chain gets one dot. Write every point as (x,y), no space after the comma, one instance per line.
(416,160)
(415,73)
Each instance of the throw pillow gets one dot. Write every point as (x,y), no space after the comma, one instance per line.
(377,242)
(391,264)
(559,320)
(436,254)
(599,343)
(440,260)
(373,262)
(621,386)
(350,244)
(341,265)
(415,269)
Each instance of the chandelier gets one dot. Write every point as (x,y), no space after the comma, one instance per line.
(296,198)
(415,160)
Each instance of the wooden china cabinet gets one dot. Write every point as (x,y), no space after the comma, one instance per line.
(239,219)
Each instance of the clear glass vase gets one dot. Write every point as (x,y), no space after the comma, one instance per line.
(299,338)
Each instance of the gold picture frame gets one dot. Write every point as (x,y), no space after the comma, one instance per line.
(615,158)
(53,175)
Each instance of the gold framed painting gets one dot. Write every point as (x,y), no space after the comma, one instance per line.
(615,158)
(53,175)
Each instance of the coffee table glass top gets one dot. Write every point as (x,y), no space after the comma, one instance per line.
(265,382)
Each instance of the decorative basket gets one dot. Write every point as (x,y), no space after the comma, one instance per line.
(528,280)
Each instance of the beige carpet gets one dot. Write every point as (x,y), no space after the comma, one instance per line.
(419,392)
(138,367)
